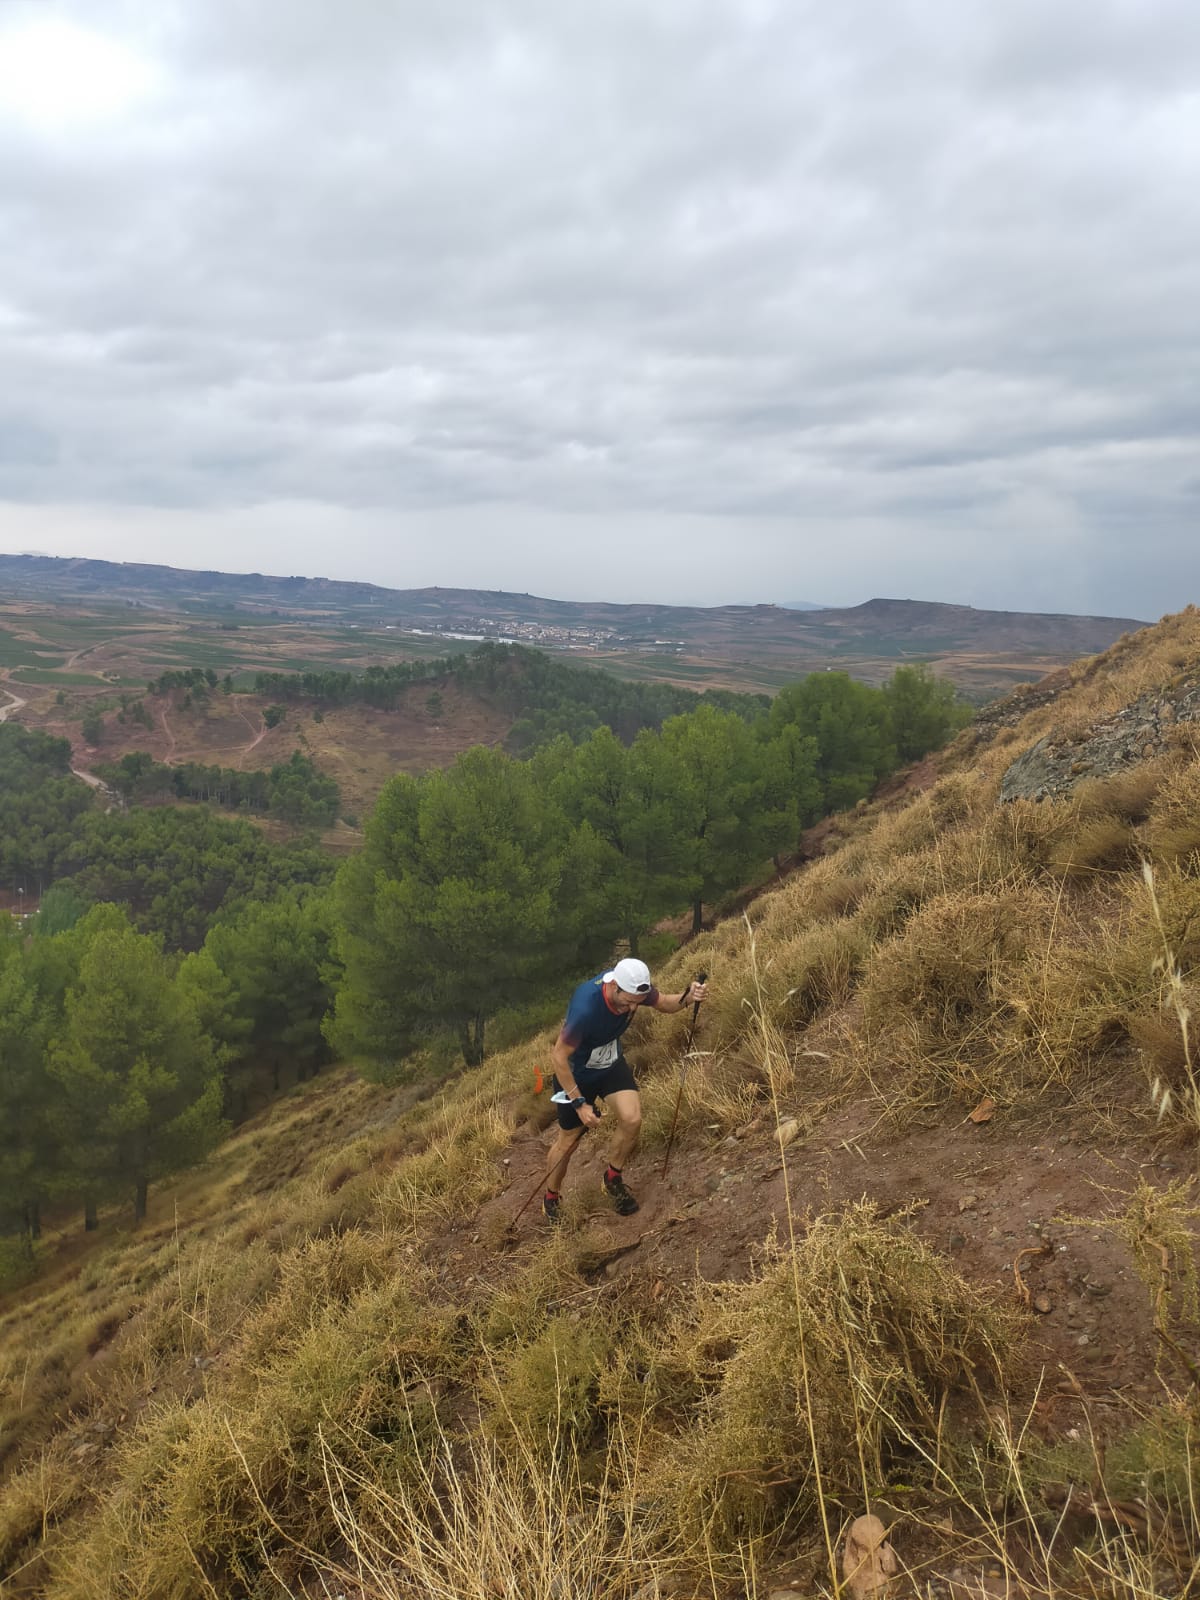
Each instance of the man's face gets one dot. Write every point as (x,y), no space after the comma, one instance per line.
(620,1001)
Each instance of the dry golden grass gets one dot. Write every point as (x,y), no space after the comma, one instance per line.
(1173,827)
(942,975)
(187,1514)
(480,1522)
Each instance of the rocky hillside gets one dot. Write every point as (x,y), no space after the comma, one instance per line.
(925,1250)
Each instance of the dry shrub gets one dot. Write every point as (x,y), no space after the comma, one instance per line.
(898,892)
(1173,827)
(482,1521)
(939,978)
(1158,1227)
(1168,920)
(836,895)
(1091,843)
(1122,1505)
(545,1393)
(201,1491)
(721,1092)
(1164,1044)
(454,1174)
(535,1287)
(1098,975)
(195,1306)
(1068,1009)
(822,890)
(725,1092)
(808,1379)
(1129,794)
(1018,836)
(1066,838)
(928,817)
(816,972)
(314,1276)
(35,1499)
(1156,1461)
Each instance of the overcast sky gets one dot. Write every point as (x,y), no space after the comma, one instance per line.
(614,299)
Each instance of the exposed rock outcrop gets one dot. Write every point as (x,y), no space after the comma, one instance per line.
(1142,730)
(1012,707)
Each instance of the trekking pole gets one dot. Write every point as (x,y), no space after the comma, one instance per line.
(701,977)
(551,1172)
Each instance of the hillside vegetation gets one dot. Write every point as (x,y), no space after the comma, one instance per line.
(927,1249)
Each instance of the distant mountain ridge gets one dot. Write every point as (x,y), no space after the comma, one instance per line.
(982,650)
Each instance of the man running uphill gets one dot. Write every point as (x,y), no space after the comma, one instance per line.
(589,1065)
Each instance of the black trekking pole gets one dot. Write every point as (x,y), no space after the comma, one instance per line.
(701,977)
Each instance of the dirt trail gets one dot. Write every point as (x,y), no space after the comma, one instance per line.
(993,1198)
(233,755)
(166,726)
(258,738)
(14,701)
(92,779)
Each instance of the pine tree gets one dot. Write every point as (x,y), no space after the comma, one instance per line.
(471,892)
(731,804)
(628,797)
(925,711)
(26,1139)
(140,1089)
(270,987)
(851,725)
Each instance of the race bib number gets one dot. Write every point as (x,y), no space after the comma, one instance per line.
(604,1055)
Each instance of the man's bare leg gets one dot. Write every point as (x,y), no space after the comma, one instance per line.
(626,1106)
(561,1151)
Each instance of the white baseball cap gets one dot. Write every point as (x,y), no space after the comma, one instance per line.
(631,976)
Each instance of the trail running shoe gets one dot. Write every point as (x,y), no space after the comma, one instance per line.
(552,1208)
(620,1196)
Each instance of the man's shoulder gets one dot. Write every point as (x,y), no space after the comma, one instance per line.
(588,995)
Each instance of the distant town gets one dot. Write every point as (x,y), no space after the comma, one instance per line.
(545,635)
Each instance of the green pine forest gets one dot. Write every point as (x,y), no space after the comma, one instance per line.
(181,965)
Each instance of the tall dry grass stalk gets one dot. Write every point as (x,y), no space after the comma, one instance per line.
(1162,1094)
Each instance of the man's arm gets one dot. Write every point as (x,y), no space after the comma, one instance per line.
(691,996)
(561,1056)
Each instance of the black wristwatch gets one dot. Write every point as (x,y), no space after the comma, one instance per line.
(578,1101)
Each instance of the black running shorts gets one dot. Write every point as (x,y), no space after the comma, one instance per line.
(595,1086)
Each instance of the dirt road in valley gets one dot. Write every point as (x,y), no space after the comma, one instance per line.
(259,734)
(166,727)
(14,703)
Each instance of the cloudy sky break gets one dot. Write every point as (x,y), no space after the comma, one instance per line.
(693,300)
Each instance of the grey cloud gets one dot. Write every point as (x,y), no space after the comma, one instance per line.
(919,273)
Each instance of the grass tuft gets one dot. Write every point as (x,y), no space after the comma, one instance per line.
(822,1362)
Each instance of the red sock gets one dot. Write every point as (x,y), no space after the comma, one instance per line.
(612,1172)
(552,1194)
